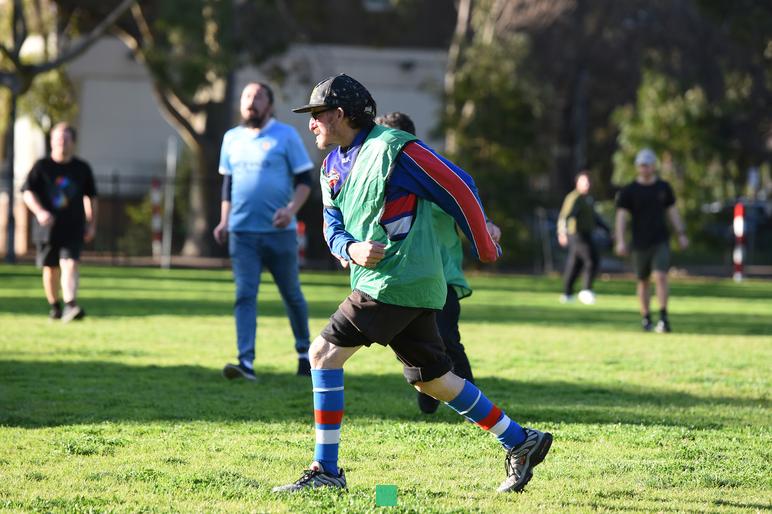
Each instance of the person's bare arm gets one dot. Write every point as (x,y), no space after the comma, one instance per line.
(221,230)
(619,229)
(678,226)
(44,217)
(283,216)
(90,208)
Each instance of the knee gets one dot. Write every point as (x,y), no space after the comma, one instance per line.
(246,291)
(423,387)
(444,388)
(321,354)
(68,265)
(296,298)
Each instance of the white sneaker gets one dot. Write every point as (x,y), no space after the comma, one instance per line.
(587,297)
(566,298)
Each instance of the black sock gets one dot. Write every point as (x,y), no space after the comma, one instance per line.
(72,303)
(663,314)
(57,305)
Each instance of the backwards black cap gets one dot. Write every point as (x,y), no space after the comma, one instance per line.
(341,91)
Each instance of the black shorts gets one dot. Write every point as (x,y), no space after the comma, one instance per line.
(410,332)
(655,258)
(48,254)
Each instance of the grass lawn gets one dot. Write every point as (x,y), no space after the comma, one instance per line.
(126,411)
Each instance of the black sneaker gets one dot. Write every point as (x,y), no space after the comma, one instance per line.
(646,324)
(56,312)
(233,371)
(663,327)
(313,477)
(304,367)
(521,459)
(72,312)
(427,404)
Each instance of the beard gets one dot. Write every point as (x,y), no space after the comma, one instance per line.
(256,120)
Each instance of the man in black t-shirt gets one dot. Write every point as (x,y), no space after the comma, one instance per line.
(649,200)
(61,194)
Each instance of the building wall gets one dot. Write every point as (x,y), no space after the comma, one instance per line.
(122,131)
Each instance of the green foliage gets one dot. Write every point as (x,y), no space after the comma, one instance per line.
(697,156)
(51,99)
(134,416)
(497,110)
(679,127)
(191,43)
(136,240)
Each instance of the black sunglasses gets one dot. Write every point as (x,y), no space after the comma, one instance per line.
(315,114)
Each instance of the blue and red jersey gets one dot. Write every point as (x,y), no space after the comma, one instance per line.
(419,172)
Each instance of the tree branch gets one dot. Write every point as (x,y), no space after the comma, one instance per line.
(174,117)
(7,53)
(175,110)
(186,108)
(19,29)
(6,79)
(142,26)
(86,41)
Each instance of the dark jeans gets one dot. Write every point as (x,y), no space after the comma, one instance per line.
(447,322)
(582,256)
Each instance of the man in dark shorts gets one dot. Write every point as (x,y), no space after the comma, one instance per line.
(452,256)
(61,194)
(378,187)
(648,200)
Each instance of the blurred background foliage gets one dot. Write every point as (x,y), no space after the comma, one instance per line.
(535,90)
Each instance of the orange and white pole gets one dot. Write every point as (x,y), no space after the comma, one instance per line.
(739,241)
(302,242)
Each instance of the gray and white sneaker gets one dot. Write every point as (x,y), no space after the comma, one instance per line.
(521,460)
(313,477)
(72,312)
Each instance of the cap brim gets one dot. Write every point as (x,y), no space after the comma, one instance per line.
(308,108)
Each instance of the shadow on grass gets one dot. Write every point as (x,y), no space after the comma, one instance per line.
(703,287)
(98,308)
(38,394)
(621,321)
(546,316)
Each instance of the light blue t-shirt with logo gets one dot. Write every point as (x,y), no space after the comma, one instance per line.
(261,165)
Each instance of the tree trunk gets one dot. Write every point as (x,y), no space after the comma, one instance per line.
(205,181)
(10,231)
(455,58)
(204,200)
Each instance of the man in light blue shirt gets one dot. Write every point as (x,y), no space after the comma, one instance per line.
(266,180)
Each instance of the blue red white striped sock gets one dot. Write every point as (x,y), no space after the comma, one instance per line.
(473,405)
(328,414)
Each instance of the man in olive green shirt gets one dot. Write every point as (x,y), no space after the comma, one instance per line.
(576,223)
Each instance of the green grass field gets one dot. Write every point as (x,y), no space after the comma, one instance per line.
(127,411)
